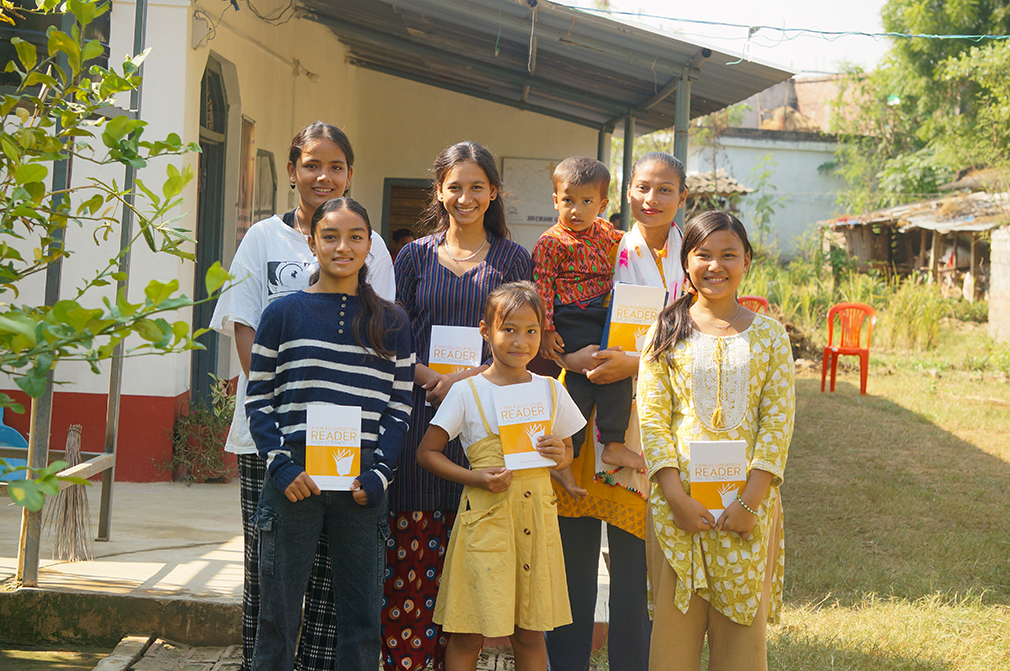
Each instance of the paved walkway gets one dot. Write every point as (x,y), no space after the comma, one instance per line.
(169,540)
(168,656)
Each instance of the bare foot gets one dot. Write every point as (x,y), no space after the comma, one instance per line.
(616,454)
(566,479)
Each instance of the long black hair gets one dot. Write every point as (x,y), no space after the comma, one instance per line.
(435,218)
(674,322)
(369,325)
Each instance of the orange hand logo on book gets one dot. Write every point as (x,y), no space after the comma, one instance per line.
(718,471)
(333,445)
(633,309)
(524,414)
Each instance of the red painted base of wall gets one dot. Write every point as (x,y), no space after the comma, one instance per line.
(145,425)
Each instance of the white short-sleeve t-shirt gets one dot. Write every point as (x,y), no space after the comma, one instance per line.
(459,415)
(274,260)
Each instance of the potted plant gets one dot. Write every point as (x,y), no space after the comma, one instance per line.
(198,438)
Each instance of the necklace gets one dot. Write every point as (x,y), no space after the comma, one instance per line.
(465,258)
(298,224)
(729,323)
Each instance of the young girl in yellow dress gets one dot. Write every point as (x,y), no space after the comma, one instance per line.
(715,371)
(504,571)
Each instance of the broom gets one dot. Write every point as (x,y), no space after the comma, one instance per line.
(68,514)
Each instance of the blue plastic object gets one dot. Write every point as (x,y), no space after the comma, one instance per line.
(12,438)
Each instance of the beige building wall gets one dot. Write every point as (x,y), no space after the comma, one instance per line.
(280,78)
(403,125)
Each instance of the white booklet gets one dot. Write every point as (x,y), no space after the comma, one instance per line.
(454,349)
(333,445)
(633,309)
(524,414)
(718,472)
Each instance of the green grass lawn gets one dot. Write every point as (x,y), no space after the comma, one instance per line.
(897,515)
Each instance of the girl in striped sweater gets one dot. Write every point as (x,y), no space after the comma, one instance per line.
(335,344)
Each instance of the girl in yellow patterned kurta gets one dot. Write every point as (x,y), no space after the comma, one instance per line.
(715,371)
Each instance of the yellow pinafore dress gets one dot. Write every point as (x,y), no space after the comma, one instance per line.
(504,567)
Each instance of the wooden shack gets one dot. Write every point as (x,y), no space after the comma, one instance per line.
(942,238)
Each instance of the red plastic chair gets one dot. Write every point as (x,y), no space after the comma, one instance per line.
(851,317)
(754,303)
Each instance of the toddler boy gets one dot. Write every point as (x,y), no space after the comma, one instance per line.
(573,270)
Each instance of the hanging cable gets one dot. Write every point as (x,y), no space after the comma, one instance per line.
(826,34)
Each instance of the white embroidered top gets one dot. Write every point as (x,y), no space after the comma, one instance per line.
(737,387)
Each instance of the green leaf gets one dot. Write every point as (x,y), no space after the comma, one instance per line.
(158,292)
(30,172)
(37,77)
(32,383)
(26,494)
(115,129)
(125,307)
(36,191)
(92,205)
(79,318)
(18,324)
(92,49)
(9,148)
(60,42)
(27,53)
(153,331)
(216,277)
(85,12)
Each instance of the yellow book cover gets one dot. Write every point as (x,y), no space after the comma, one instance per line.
(633,309)
(524,414)
(454,349)
(333,445)
(718,471)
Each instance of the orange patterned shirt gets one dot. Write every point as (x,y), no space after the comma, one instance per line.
(574,265)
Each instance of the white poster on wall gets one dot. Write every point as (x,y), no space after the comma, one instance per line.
(530,210)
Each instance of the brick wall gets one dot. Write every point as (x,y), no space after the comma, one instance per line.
(999,285)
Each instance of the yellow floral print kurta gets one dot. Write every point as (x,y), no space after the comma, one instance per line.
(737,387)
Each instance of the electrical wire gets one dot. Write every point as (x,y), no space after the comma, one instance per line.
(831,35)
(282,16)
(212,32)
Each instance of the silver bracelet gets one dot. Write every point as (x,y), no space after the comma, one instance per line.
(745,506)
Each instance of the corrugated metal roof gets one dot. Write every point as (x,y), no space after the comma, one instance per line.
(583,68)
(719,183)
(956,213)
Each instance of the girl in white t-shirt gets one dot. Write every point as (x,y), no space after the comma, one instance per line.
(274,260)
(504,571)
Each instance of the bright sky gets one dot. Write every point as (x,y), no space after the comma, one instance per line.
(804,54)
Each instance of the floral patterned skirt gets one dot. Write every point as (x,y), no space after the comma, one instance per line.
(414,557)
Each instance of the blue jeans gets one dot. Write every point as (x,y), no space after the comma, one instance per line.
(288,535)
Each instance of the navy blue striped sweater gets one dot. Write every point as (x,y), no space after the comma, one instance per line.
(304,353)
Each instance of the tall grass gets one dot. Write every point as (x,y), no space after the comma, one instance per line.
(802,291)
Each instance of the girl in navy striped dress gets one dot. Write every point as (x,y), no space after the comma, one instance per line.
(441,279)
(334,344)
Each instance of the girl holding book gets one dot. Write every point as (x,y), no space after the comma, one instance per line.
(309,344)
(504,571)
(441,279)
(715,371)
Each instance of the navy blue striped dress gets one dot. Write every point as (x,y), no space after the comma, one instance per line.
(432,294)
